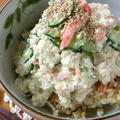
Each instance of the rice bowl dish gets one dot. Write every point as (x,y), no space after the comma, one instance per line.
(70,60)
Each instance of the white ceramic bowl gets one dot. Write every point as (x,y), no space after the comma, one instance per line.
(15,25)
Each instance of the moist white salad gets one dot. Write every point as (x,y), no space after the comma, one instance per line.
(70,60)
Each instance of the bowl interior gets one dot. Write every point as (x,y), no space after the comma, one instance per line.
(29,18)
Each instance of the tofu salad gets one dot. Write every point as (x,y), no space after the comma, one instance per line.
(70,60)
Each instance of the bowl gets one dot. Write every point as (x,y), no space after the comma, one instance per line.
(17,16)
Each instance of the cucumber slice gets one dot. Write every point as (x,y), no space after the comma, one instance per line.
(90,54)
(83,68)
(115,47)
(57,63)
(76,45)
(113,44)
(25,47)
(90,47)
(29,70)
(117,62)
(39,40)
(114,33)
(29,56)
(104,44)
(90,72)
(52,25)
(113,36)
(56,42)
(92,75)
(28,43)
(51,36)
(87,66)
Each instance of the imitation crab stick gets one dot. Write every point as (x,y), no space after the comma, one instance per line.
(109,21)
(36,61)
(77,67)
(101,32)
(60,87)
(72,28)
(69,32)
(86,7)
(63,75)
(103,90)
(78,72)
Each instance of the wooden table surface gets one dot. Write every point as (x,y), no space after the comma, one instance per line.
(2,103)
(4,109)
(3,3)
(6,105)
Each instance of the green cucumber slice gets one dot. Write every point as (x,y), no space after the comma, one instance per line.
(51,36)
(117,48)
(29,56)
(113,44)
(29,70)
(89,72)
(56,42)
(76,44)
(57,63)
(90,47)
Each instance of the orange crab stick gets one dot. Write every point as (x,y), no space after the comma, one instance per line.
(60,87)
(103,90)
(69,32)
(86,7)
(75,26)
(36,61)
(101,33)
